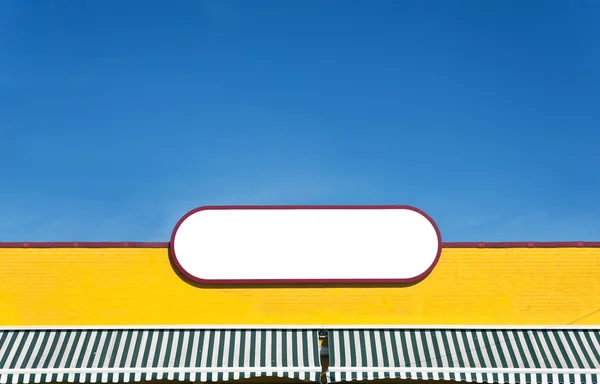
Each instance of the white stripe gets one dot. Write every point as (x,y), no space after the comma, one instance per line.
(54,359)
(162,351)
(35,350)
(196,338)
(359,347)
(525,357)
(120,349)
(537,351)
(333,349)
(140,357)
(594,342)
(290,349)
(379,350)
(464,350)
(304,376)
(278,351)
(590,346)
(26,346)
(545,379)
(484,352)
(71,340)
(225,363)
(453,356)
(513,378)
(504,346)
(88,352)
(43,358)
(347,350)
(394,335)
(491,350)
(473,353)
(76,353)
(413,353)
(215,352)
(368,348)
(149,342)
(204,358)
(257,349)
(154,352)
(431,348)
(13,351)
(11,356)
(171,363)
(470,349)
(108,355)
(246,352)
(432,353)
(388,345)
(418,350)
(266,346)
(302,326)
(578,348)
(444,358)
(184,351)
(556,348)
(98,354)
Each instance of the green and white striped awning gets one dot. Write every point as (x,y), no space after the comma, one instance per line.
(493,356)
(122,355)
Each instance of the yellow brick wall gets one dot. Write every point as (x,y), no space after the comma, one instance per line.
(133,286)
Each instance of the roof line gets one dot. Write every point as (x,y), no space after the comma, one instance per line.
(165,244)
(523,244)
(84,244)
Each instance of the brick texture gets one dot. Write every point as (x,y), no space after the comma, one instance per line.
(137,286)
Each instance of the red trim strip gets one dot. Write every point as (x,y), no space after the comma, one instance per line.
(84,244)
(447,244)
(524,244)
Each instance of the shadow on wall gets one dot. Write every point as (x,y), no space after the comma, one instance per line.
(272,286)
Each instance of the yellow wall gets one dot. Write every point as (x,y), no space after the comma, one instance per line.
(129,286)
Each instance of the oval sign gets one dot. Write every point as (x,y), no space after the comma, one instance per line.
(301,244)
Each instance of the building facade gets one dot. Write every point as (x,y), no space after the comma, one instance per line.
(120,312)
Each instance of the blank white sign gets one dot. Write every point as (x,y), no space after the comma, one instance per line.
(305,244)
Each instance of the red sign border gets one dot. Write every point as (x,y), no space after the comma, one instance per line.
(303,281)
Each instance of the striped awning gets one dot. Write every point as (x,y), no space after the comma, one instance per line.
(493,356)
(121,355)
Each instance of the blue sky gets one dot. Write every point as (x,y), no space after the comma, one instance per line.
(117,117)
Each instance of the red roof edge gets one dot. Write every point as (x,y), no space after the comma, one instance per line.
(84,244)
(523,244)
(165,244)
